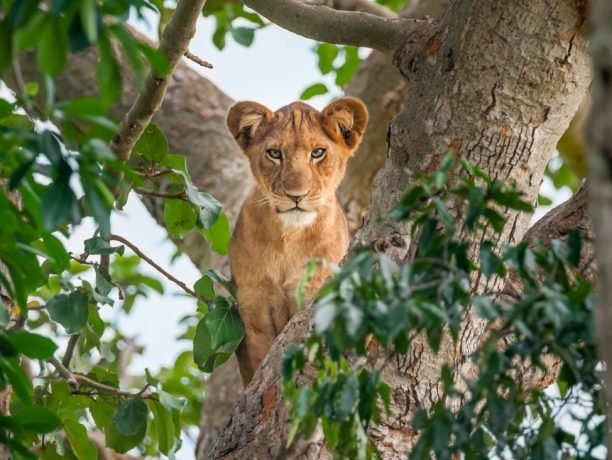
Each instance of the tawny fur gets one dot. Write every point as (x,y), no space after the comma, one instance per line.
(271,242)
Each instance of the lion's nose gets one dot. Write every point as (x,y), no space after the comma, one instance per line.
(296,198)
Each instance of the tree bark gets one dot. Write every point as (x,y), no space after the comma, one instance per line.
(600,175)
(496,84)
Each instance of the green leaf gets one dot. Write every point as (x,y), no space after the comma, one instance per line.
(243,35)
(130,417)
(33,345)
(6,44)
(86,105)
(98,245)
(121,443)
(158,61)
(100,202)
(347,399)
(204,287)
(163,424)
(316,89)
(345,72)
(152,144)
(179,217)
(89,19)
(109,75)
(82,447)
(327,53)
(219,234)
(57,204)
(36,419)
(56,251)
(490,263)
(225,328)
(52,48)
(70,311)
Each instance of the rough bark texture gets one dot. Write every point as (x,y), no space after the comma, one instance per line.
(496,83)
(383,89)
(600,176)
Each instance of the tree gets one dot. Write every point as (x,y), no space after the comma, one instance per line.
(492,96)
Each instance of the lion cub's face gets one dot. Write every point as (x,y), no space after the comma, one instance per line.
(297,154)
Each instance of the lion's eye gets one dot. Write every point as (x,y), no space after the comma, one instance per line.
(274,154)
(317,154)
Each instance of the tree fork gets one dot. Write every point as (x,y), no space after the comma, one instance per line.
(464,82)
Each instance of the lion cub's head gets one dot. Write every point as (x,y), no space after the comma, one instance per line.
(297,154)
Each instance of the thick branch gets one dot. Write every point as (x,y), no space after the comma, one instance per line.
(341,27)
(364,6)
(174,44)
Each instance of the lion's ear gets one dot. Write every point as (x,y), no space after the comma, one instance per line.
(346,120)
(243,120)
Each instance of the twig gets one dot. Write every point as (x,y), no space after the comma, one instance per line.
(176,196)
(173,45)
(150,175)
(198,60)
(72,341)
(21,89)
(75,381)
(153,264)
(64,373)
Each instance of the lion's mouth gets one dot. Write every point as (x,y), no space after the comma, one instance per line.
(296,208)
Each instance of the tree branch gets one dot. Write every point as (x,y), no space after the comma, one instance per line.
(364,6)
(153,264)
(174,44)
(341,27)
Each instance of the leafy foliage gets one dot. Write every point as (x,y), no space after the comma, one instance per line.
(56,169)
(372,303)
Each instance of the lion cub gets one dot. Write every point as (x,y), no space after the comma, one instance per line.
(298,157)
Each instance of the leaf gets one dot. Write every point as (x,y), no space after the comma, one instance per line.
(121,443)
(100,202)
(179,217)
(82,447)
(152,144)
(219,234)
(89,19)
(243,35)
(225,328)
(345,72)
(36,419)
(204,287)
(57,204)
(130,417)
(158,61)
(57,251)
(324,317)
(86,105)
(33,345)
(347,399)
(490,263)
(163,424)
(52,48)
(327,53)
(109,75)
(98,245)
(316,89)
(70,311)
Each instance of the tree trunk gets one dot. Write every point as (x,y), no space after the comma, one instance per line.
(600,176)
(496,83)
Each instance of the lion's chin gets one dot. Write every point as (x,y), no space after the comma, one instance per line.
(297,217)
